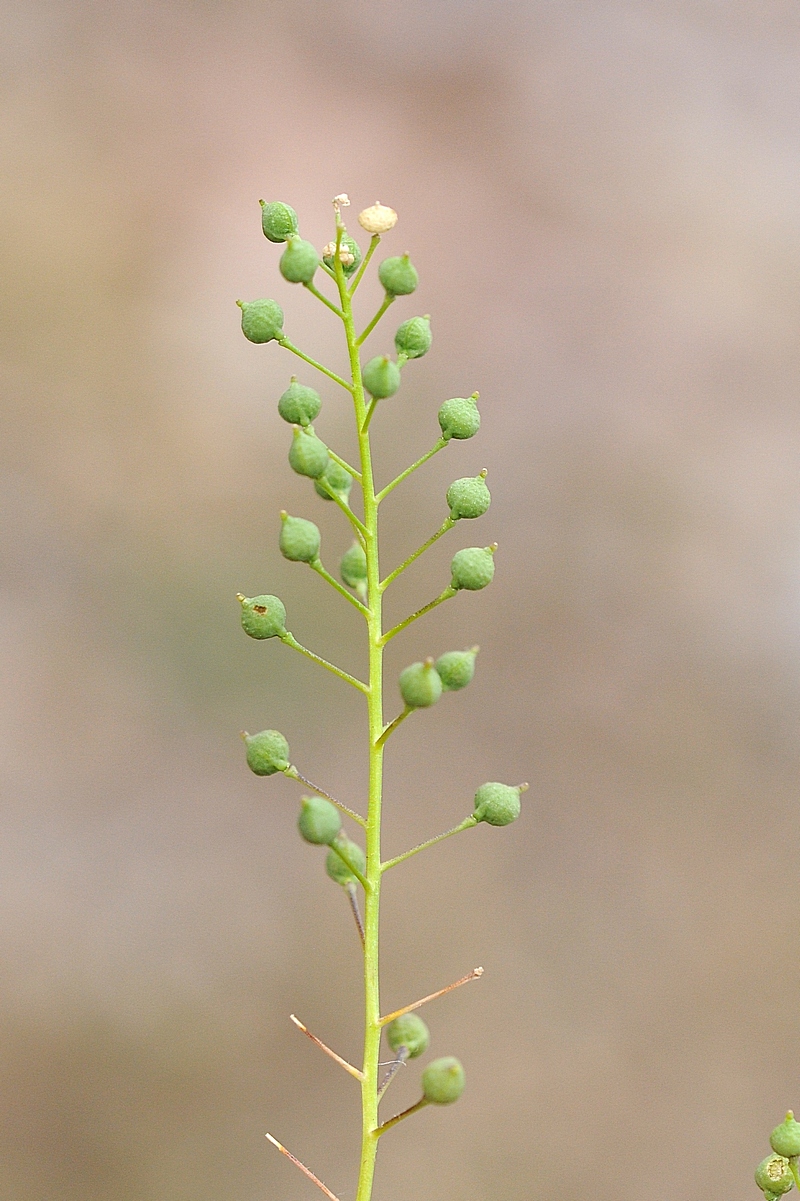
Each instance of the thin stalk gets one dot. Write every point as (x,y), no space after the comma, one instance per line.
(287,345)
(316,292)
(365,333)
(370,412)
(315,565)
(355,522)
(348,1067)
(475,974)
(352,896)
(467,824)
(306,1171)
(343,463)
(400,1061)
(423,1101)
(446,595)
(440,445)
(392,726)
(290,640)
(446,525)
(293,774)
(336,848)
(364,262)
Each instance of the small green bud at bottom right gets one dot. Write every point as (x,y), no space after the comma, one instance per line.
(443,1081)
(785,1139)
(498,804)
(774,1175)
(408,1031)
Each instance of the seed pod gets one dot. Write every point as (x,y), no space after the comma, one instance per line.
(443,1081)
(414,337)
(459,417)
(456,669)
(336,867)
(498,804)
(319,821)
(473,567)
(278,220)
(774,1175)
(420,685)
(378,219)
(267,752)
(353,568)
(341,481)
(381,377)
(468,497)
(785,1139)
(299,405)
(307,455)
(398,276)
(299,540)
(349,254)
(263,616)
(262,320)
(299,261)
(408,1031)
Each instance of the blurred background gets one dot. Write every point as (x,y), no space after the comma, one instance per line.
(603,203)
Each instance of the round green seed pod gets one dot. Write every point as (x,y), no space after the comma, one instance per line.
(408,1031)
(420,685)
(414,337)
(398,276)
(473,567)
(498,804)
(262,320)
(263,616)
(278,220)
(456,669)
(299,405)
(352,245)
(774,1175)
(459,417)
(337,478)
(785,1139)
(336,867)
(381,377)
(299,540)
(353,567)
(267,752)
(469,497)
(307,454)
(319,821)
(299,261)
(443,1081)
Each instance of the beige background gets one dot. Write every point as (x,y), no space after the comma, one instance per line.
(602,201)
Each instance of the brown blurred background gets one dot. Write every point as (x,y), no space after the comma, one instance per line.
(602,201)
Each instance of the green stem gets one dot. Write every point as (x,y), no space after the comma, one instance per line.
(364,262)
(334,846)
(440,445)
(370,411)
(315,565)
(467,824)
(446,525)
(290,640)
(293,774)
(795,1173)
(287,345)
(334,308)
(365,333)
(344,506)
(448,592)
(423,1101)
(392,726)
(343,463)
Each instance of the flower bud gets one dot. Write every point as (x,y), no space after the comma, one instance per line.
(378,219)
(398,276)
(774,1175)
(459,417)
(413,338)
(443,1081)
(319,821)
(381,377)
(340,481)
(336,867)
(353,568)
(498,804)
(299,540)
(468,497)
(785,1139)
(456,668)
(349,254)
(299,404)
(278,220)
(267,752)
(263,616)
(307,455)
(473,567)
(420,685)
(408,1031)
(299,261)
(262,320)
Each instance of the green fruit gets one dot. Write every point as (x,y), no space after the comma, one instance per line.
(299,540)
(263,616)
(413,338)
(473,568)
(381,377)
(408,1031)
(336,867)
(319,821)
(353,568)
(774,1175)
(267,752)
(262,320)
(456,669)
(299,405)
(468,497)
(307,455)
(340,481)
(398,276)
(420,685)
(278,220)
(352,245)
(459,417)
(498,804)
(443,1081)
(785,1139)
(299,261)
